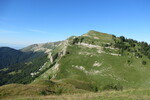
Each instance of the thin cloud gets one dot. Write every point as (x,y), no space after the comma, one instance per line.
(7,32)
(38,31)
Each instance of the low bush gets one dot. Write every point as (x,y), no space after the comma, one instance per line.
(144,62)
(95,89)
(113,87)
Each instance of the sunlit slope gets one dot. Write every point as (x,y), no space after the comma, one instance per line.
(91,61)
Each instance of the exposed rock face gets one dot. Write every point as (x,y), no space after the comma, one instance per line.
(65,44)
(89,45)
(97,64)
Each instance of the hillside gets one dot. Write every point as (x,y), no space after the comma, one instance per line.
(92,62)
(28,63)
(95,61)
(10,56)
(131,94)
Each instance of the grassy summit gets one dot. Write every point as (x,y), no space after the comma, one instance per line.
(93,61)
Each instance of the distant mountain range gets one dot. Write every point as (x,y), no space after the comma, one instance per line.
(15,46)
(10,56)
(94,61)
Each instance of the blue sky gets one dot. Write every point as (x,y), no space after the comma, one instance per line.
(25,22)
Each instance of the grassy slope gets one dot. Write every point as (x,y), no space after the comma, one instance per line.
(76,70)
(38,88)
(49,73)
(130,94)
(114,69)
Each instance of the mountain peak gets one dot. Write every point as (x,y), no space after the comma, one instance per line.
(95,33)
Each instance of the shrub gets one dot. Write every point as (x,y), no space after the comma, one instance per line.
(106,45)
(43,92)
(75,40)
(81,39)
(138,55)
(144,62)
(114,36)
(46,92)
(113,87)
(49,77)
(128,61)
(122,38)
(95,89)
(67,52)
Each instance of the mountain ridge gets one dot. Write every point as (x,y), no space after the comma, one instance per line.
(9,56)
(94,61)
